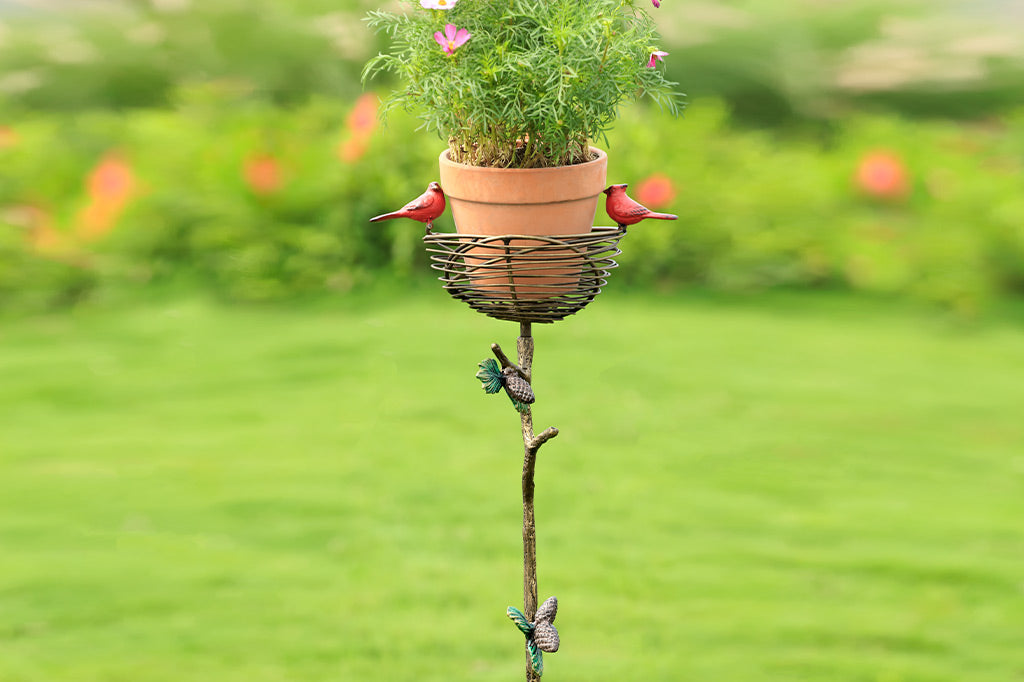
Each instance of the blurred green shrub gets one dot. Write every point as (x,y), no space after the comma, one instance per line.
(759,210)
(781,62)
(773,61)
(137,54)
(257,202)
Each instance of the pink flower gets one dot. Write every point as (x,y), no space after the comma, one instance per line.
(657,55)
(656,191)
(111,185)
(363,118)
(451,39)
(881,174)
(656,3)
(438,4)
(111,180)
(262,173)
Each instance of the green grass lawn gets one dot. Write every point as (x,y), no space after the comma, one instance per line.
(741,492)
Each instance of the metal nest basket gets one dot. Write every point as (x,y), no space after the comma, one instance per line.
(525,278)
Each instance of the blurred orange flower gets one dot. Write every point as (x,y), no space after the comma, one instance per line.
(363,119)
(8,137)
(352,149)
(110,185)
(881,174)
(111,179)
(262,173)
(361,123)
(656,191)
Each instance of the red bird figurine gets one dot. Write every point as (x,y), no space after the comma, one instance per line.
(624,211)
(425,208)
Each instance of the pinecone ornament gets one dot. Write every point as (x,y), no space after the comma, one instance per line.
(541,634)
(544,632)
(517,387)
(495,379)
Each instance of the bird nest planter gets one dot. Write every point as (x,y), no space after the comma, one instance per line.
(525,278)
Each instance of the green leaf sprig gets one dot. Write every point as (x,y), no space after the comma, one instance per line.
(535,82)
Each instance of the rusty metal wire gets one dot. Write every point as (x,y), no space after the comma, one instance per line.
(525,278)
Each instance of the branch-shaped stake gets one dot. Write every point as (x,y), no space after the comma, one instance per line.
(506,363)
(515,379)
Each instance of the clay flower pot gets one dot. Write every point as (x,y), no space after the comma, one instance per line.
(523,201)
(543,201)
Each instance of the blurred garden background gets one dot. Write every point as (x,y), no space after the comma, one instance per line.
(240,438)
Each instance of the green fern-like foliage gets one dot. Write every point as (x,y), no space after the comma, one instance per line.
(527,628)
(517,617)
(534,84)
(536,657)
(490,376)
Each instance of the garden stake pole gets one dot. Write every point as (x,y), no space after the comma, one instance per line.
(489,272)
(531,445)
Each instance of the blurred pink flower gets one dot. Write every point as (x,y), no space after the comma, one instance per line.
(111,180)
(110,185)
(452,38)
(438,4)
(881,174)
(361,124)
(262,173)
(656,55)
(656,191)
(363,118)
(656,3)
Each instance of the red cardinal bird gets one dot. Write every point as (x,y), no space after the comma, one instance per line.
(624,211)
(425,208)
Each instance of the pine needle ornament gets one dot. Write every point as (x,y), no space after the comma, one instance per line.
(495,379)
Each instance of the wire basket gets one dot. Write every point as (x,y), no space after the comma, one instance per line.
(525,278)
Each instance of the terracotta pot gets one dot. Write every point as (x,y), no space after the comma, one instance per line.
(524,201)
(560,200)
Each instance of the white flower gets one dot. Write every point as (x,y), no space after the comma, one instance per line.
(438,4)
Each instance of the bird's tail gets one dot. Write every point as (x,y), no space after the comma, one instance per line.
(384,216)
(662,216)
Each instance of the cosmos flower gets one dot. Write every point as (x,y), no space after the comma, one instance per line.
(452,38)
(657,56)
(438,4)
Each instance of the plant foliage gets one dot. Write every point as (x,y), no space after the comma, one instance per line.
(536,81)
